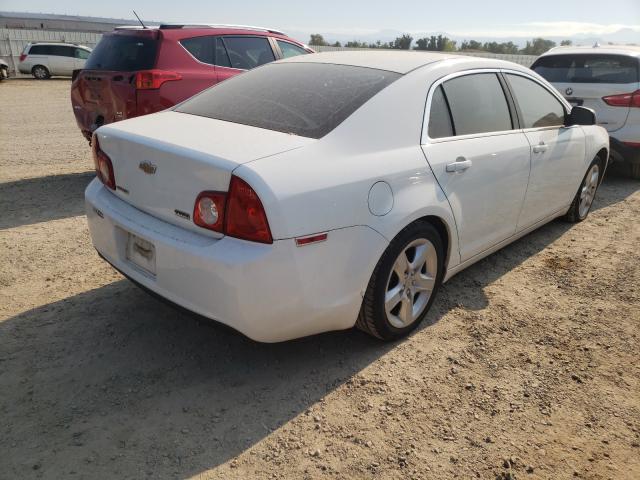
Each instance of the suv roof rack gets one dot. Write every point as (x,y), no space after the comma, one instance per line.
(169,26)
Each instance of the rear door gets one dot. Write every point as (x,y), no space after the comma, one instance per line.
(479,156)
(584,79)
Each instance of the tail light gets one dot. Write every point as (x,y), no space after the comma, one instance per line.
(238,213)
(23,57)
(104,167)
(624,100)
(153,79)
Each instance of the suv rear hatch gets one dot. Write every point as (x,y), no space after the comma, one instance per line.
(585,79)
(162,162)
(105,90)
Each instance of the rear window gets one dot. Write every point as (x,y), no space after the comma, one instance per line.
(588,68)
(306,99)
(123,53)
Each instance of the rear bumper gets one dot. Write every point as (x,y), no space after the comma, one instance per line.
(621,152)
(270,293)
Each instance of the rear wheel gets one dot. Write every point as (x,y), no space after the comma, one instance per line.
(40,72)
(404,283)
(583,200)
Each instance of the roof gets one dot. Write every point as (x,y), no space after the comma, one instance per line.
(632,50)
(394,61)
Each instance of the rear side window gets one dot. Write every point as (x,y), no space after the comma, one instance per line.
(538,107)
(290,50)
(62,51)
(306,99)
(439,118)
(123,53)
(248,52)
(40,50)
(588,68)
(201,48)
(478,104)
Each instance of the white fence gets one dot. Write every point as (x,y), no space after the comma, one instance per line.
(13,41)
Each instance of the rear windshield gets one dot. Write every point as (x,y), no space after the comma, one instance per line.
(588,68)
(306,99)
(123,53)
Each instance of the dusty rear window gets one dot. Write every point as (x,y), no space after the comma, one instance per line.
(588,68)
(123,53)
(306,99)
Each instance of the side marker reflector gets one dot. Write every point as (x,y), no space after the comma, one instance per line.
(302,241)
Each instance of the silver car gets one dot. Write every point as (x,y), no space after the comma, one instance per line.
(46,59)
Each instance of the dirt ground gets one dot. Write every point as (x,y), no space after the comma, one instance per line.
(528,366)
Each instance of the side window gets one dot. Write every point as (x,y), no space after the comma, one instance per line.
(40,50)
(538,107)
(60,51)
(221,56)
(478,104)
(248,52)
(68,52)
(82,54)
(290,50)
(439,117)
(201,48)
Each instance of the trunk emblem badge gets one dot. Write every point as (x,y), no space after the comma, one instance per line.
(569,91)
(147,167)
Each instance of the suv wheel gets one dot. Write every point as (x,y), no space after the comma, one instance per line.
(40,72)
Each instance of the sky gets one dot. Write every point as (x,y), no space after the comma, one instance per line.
(460,17)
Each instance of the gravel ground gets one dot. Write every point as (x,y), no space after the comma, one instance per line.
(527,367)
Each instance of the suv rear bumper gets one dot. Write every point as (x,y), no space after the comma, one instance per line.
(623,153)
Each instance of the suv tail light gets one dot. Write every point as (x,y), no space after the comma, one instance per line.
(153,79)
(23,57)
(238,213)
(104,167)
(624,100)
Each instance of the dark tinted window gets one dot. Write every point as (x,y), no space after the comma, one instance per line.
(201,48)
(588,68)
(248,52)
(123,53)
(290,50)
(439,117)
(221,56)
(477,104)
(40,50)
(62,51)
(538,107)
(307,99)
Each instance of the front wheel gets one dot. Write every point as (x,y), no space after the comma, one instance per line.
(583,200)
(404,283)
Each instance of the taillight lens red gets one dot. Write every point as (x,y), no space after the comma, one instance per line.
(23,57)
(153,79)
(623,99)
(238,213)
(208,211)
(103,165)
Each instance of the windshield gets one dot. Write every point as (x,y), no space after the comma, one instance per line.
(124,53)
(306,99)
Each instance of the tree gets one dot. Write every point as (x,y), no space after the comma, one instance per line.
(471,45)
(317,39)
(403,42)
(503,48)
(337,44)
(566,43)
(537,46)
(436,44)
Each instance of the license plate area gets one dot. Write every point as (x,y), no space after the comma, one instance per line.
(576,102)
(141,253)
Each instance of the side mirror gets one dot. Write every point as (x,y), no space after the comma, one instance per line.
(581,116)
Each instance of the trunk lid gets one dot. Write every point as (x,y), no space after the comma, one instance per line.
(164,160)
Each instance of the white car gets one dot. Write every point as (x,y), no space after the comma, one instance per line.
(338,189)
(46,59)
(607,80)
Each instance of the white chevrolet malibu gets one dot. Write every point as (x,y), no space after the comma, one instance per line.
(338,189)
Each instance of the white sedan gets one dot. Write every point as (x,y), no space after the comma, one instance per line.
(338,189)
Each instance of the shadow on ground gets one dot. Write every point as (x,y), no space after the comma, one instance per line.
(112,383)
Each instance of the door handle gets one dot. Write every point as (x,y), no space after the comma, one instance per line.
(460,165)
(540,148)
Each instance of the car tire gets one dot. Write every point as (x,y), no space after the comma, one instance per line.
(582,202)
(404,283)
(40,72)
(4,73)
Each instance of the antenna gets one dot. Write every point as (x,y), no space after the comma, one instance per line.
(143,25)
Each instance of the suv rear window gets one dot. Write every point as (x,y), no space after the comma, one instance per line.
(306,99)
(588,68)
(123,53)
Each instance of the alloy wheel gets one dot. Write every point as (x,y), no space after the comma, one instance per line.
(588,191)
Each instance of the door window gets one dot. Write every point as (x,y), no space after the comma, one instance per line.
(248,52)
(440,118)
(221,56)
(478,104)
(538,107)
(82,54)
(62,51)
(290,50)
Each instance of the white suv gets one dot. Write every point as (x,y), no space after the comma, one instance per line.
(42,60)
(607,80)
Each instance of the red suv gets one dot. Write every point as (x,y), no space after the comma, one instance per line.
(134,71)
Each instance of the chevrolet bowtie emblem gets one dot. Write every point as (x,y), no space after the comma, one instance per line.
(147,167)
